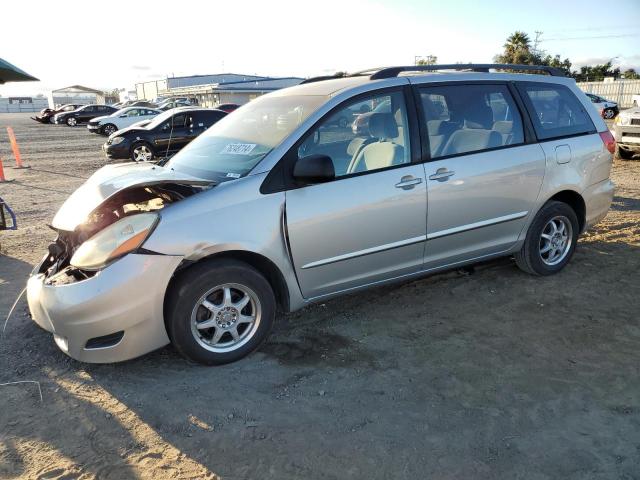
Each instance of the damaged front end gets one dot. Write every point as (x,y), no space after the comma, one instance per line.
(104,200)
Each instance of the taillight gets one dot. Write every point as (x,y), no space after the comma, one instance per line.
(608,140)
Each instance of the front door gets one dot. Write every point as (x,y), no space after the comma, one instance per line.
(483,179)
(369,223)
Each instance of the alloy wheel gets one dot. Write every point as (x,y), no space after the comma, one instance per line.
(109,129)
(142,153)
(71,122)
(555,240)
(225,317)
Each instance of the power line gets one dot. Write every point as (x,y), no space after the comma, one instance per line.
(589,37)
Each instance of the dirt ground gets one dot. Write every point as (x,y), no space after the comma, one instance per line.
(487,374)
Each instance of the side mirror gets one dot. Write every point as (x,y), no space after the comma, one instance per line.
(7,217)
(314,169)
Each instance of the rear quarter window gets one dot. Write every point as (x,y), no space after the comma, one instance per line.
(555,111)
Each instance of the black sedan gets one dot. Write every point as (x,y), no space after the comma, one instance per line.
(47,114)
(163,136)
(83,114)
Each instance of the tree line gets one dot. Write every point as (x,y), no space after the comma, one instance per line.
(518,50)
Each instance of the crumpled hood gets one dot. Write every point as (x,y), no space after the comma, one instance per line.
(110,180)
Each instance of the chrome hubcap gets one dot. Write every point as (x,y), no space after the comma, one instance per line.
(72,122)
(555,240)
(142,154)
(225,317)
(109,130)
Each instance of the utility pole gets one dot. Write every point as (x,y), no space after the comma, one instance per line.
(536,42)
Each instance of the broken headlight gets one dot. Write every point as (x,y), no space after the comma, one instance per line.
(114,241)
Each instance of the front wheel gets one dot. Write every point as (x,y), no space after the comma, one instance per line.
(609,113)
(72,122)
(108,129)
(624,154)
(219,311)
(551,240)
(141,152)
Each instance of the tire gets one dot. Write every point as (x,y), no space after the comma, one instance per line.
(52,121)
(609,113)
(72,121)
(623,154)
(531,258)
(207,283)
(108,129)
(142,152)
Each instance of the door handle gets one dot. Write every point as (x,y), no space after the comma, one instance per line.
(408,182)
(442,175)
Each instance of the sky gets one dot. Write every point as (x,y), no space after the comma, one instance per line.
(120,43)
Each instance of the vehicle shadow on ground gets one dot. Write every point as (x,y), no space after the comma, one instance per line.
(352,386)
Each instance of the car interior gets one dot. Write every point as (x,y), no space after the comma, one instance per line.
(380,140)
(470,118)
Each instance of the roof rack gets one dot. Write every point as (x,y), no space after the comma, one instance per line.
(321,78)
(391,72)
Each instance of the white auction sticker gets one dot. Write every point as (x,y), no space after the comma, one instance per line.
(239,148)
(233,175)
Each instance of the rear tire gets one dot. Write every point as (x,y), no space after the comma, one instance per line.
(546,249)
(209,326)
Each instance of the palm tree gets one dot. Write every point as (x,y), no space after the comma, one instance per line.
(517,41)
(517,49)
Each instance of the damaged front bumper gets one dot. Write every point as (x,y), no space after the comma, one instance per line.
(114,315)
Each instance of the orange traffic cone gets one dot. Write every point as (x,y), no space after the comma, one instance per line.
(2,177)
(14,147)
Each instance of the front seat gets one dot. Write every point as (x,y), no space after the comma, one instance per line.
(476,133)
(381,153)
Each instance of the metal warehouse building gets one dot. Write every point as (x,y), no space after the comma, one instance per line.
(212,90)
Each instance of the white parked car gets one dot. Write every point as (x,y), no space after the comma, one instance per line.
(123,118)
(608,109)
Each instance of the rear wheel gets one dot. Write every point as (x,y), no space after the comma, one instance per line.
(219,312)
(109,128)
(141,152)
(551,240)
(72,122)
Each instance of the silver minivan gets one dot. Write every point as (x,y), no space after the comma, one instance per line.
(278,206)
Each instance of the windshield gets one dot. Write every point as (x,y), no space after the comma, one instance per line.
(235,144)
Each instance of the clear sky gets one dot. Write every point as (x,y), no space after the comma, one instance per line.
(117,43)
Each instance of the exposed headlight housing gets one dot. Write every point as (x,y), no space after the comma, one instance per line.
(115,241)
(623,120)
(117,140)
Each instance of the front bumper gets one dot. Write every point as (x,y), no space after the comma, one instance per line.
(127,296)
(121,150)
(628,137)
(94,128)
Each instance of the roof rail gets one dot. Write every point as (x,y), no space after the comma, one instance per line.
(320,78)
(390,72)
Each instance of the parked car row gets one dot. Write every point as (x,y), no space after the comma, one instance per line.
(139,132)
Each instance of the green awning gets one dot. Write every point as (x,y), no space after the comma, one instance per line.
(10,73)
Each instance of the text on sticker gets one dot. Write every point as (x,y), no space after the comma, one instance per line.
(239,148)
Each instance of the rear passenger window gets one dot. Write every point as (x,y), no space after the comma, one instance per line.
(555,111)
(470,118)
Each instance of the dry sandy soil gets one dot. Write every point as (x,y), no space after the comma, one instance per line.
(469,375)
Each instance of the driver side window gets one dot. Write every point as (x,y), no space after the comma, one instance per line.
(367,134)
